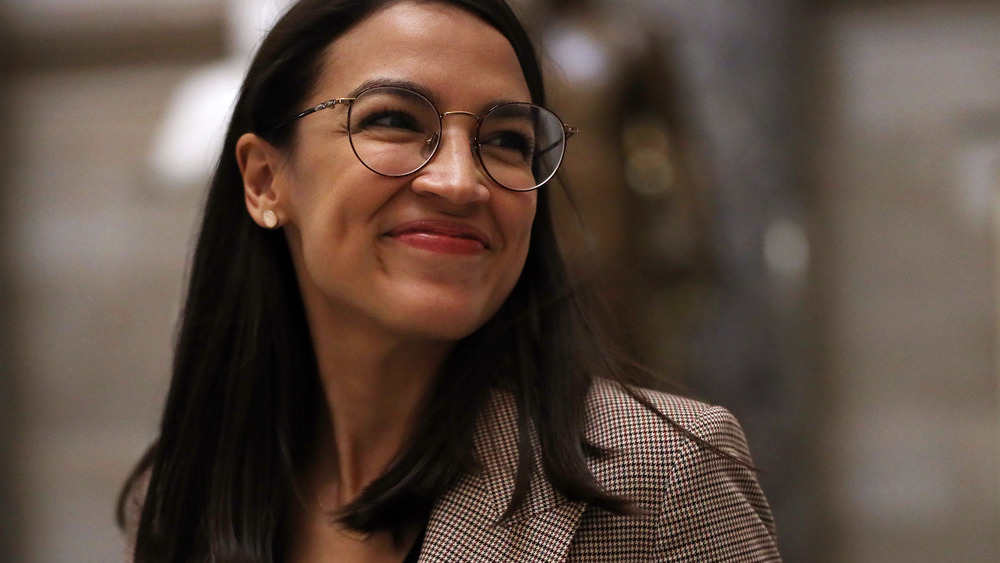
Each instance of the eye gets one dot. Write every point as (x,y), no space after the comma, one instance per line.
(387,118)
(510,141)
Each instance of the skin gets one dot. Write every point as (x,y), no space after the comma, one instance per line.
(387,287)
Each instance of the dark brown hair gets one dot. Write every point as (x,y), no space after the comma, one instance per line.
(245,395)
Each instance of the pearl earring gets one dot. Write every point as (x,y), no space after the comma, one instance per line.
(270,219)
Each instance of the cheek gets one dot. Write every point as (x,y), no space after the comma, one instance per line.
(517,224)
(321,197)
(520,219)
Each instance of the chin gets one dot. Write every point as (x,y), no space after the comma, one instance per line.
(442,312)
(448,322)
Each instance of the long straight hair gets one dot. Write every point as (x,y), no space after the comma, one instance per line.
(245,397)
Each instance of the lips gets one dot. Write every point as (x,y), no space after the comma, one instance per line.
(441,236)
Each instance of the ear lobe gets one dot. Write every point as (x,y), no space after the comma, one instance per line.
(258,161)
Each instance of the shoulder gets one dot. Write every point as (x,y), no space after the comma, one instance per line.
(653,439)
(616,418)
(612,399)
(701,504)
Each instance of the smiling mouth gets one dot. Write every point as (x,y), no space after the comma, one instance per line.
(441,236)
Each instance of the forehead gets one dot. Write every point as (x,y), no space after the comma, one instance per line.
(449,51)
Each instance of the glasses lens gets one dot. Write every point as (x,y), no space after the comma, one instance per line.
(393,131)
(521,145)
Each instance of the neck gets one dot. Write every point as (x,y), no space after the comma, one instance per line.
(375,390)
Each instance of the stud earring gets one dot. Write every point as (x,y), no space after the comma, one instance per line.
(270,219)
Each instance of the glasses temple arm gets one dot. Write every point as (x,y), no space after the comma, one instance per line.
(569,131)
(314,109)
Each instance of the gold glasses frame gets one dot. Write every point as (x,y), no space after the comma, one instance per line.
(567,131)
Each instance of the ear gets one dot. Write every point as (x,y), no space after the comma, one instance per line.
(259,163)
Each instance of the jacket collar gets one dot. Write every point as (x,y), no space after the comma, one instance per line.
(465,524)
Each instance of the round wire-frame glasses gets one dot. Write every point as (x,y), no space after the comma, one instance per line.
(396,131)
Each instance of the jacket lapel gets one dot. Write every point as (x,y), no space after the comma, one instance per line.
(465,524)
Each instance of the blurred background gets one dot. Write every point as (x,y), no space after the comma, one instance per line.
(795,205)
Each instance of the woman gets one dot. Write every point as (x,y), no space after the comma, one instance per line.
(380,357)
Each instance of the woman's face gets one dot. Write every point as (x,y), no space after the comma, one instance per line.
(429,256)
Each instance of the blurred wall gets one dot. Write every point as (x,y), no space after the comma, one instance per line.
(94,257)
(905,150)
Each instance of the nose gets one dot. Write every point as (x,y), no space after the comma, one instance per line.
(453,173)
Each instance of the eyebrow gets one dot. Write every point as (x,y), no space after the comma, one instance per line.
(420,89)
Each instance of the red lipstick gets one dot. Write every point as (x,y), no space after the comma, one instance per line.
(446,237)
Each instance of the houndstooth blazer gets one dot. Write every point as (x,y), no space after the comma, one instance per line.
(700,506)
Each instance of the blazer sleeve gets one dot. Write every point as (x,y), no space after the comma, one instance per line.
(714,509)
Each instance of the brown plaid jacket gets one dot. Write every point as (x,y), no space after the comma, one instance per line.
(700,506)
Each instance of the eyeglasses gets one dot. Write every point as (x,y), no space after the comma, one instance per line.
(396,132)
